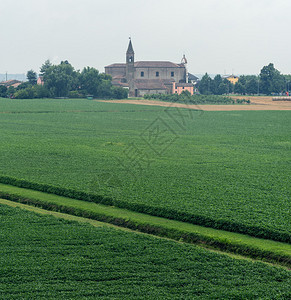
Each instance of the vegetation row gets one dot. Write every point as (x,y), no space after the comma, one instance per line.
(82,261)
(255,231)
(217,239)
(186,97)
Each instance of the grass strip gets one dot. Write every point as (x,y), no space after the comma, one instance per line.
(95,223)
(144,208)
(263,249)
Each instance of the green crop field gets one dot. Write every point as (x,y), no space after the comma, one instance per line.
(226,170)
(43,257)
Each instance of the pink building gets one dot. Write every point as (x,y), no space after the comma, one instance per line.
(178,88)
(40,80)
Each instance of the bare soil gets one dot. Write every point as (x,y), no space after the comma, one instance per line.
(257,103)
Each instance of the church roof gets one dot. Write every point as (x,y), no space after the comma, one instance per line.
(117,65)
(148,64)
(156,64)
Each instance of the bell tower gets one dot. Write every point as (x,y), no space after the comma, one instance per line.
(130,53)
(184,62)
(130,67)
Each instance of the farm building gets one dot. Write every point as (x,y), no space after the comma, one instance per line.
(148,77)
(13,82)
(232,78)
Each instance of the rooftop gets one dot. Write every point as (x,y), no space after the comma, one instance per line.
(157,64)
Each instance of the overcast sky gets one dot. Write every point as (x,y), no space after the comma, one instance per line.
(217,36)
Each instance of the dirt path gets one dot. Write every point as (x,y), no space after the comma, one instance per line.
(257,103)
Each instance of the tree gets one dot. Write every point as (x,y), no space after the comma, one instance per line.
(24,85)
(11,91)
(60,79)
(252,86)
(119,92)
(229,86)
(239,88)
(64,81)
(3,91)
(27,93)
(47,64)
(205,85)
(271,81)
(217,88)
(31,77)
(41,91)
(223,88)
(105,89)
(90,80)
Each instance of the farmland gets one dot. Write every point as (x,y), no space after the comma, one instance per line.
(226,170)
(45,257)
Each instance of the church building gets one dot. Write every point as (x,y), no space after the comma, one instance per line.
(149,77)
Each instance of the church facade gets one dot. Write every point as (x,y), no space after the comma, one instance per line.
(148,77)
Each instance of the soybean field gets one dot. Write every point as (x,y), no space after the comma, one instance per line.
(227,170)
(46,257)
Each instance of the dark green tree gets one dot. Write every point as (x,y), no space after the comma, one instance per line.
(31,77)
(47,64)
(90,81)
(252,86)
(24,85)
(229,86)
(205,85)
(27,93)
(10,92)
(105,89)
(119,92)
(217,88)
(3,91)
(41,91)
(239,88)
(223,88)
(60,79)
(271,81)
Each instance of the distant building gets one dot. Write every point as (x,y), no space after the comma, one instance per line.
(40,80)
(13,82)
(232,78)
(147,77)
(192,79)
(178,88)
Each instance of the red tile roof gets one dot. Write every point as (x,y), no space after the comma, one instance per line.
(117,65)
(12,82)
(181,84)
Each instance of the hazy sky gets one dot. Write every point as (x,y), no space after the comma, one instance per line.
(217,36)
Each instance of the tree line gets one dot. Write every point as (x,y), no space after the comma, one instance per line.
(62,80)
(269,81)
